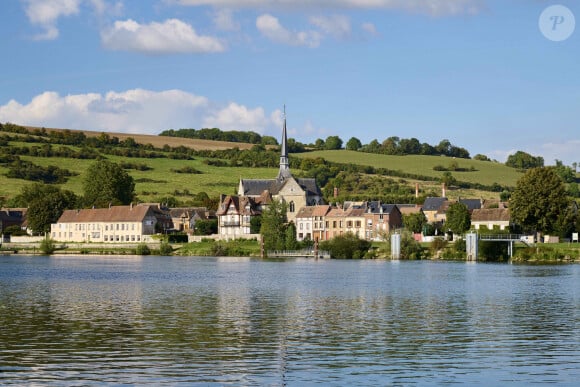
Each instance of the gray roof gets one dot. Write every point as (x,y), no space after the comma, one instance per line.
(255,187)
(433,203)
(375,207)
(471,204)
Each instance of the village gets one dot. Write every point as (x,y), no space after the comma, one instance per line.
(314,220)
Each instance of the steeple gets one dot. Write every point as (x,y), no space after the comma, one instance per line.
(284,164)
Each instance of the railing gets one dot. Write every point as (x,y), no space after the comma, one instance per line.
(297,253)
(501,237)
(231,224)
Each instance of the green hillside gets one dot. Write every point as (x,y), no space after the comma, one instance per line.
(483,172)
(156,173)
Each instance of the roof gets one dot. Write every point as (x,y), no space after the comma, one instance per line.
(376,207)
(472,204)
(433,203)
(111,214)
(305,212)
(240,203)
(256,187)
(409,209)
(491,215)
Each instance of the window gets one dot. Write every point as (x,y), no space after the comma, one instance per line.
(106,238)
(117,226)
(292,207)
(349,223)
(307,226)
(301,226)
(122,227)
(106,227)
(358,224)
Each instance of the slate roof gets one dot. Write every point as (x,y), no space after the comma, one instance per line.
(471,204)
(255,187)
(111,214)
(374,207)
(433,203)
(240,203)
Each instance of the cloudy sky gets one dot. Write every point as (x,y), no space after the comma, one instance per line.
(493,76)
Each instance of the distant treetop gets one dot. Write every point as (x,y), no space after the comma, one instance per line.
(219,135)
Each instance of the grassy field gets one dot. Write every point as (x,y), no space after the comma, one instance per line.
(485,172)
(161,181)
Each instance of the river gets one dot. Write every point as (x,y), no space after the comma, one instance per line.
(70,321)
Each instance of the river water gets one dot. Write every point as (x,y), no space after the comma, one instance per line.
(72,321)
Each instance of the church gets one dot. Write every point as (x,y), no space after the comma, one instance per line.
(254,195)
(295,192)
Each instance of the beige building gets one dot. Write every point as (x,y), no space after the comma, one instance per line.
(105,225)
(491,218)
(295,192)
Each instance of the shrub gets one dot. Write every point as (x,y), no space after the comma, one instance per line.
(142,249)
(47,246)
(346,246)
(165,249)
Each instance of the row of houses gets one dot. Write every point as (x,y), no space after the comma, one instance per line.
(370,220)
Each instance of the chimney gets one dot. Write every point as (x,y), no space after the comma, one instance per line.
(335,192)
(443,193)
(416,190)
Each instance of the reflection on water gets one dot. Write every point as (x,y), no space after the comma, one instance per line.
(154,320)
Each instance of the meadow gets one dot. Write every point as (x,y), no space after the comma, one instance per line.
(161,180)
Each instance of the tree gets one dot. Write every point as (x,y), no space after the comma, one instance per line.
(458,218)
(414,222)
(448,179)
(45,203)
(206,227)
(353,144)
(107,183)
(273,226)
(539,201)
(332,143)
(523,160)
(346,246)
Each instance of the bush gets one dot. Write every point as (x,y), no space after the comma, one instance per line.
(347,246)
(165,249)
(47,246)
(142,249)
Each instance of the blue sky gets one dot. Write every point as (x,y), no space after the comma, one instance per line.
(477,72)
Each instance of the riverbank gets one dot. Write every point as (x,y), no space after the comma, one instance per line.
(539,254)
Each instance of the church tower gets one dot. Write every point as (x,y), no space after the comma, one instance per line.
(284,172)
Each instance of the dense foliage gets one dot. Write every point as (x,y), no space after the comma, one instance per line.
(346,246)
(414,222)
(219,135)
(540,203)
(107,183)
(523,160)
(458,218)
(273,227)
(45,203)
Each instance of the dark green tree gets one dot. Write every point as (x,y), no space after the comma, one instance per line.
(291,242)
(206,227)
(273,228)
(346,246)
(107,183)
(458,218)
(523,160)
(45,203)
(353,144)
(332,143)
(539,201)
(414,222)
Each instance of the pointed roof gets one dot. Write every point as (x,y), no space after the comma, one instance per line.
(284,162)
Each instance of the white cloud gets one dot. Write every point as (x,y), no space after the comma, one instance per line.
(45,14)
(224,20)
(430,7)
(370,29)
(235,117)
(171,36)
(136,111)
(335,25)
(270,27)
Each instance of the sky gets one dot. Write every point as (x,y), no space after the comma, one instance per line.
(492,76)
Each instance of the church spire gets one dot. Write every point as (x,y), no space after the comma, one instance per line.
(284,164)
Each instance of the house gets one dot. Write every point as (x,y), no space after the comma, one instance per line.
(381,219)
(235,216)
(295,192)
(184,219)
(305,223)
(12,217)
(334,223)
(491,218)
(431,208)
(108,225)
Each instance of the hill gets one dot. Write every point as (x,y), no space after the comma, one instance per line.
(161,169)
